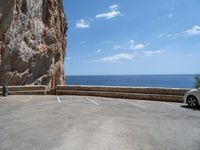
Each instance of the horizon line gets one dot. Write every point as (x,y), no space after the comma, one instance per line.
(131,74)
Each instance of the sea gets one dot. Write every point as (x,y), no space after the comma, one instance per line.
(169,81)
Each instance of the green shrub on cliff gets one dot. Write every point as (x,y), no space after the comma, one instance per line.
(197,81)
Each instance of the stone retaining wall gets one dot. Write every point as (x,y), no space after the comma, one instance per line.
(143,93)
(120,89)
(26,90)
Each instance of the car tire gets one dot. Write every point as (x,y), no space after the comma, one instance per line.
(192,101)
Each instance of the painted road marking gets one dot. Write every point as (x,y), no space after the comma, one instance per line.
(131,103)
(1,99)
(58,98)
(92,101)
(26,100)
(9,98)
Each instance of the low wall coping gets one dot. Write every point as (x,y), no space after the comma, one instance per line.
(125,87)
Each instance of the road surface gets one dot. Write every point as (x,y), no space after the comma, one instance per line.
(94,123)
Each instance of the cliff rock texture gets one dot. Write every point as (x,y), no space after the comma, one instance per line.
(32,42)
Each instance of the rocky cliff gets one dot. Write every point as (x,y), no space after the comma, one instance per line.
(32,42)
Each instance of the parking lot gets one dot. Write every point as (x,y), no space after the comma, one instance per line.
(95,123)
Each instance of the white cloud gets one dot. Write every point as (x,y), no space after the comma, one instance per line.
(69,58)
(138,46)
(108,42)
(117,58)
(114,12)
(81,24)
(170,15)
(114,7)
(83,42)
(132,45)
(154,53)
(170,36)
(194,31)
(173,36)
(188,54)
(108,15)
(116,46)
(132,42)
(99,50)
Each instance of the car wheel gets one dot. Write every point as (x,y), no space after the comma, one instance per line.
(192,101)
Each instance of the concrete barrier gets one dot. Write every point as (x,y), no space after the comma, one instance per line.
(146,93)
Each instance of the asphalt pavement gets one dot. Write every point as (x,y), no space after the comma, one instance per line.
(94,123)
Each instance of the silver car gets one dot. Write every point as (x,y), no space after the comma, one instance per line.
(192,98)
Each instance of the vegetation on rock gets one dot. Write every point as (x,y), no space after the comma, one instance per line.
(197,81)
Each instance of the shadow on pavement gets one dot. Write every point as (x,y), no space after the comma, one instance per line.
(188,107)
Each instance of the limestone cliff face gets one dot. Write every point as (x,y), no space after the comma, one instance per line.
(32,42)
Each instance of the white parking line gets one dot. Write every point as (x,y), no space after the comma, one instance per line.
(19,99)
(92,101)
(5,98)
(131,103)
(58,99)
(9,98)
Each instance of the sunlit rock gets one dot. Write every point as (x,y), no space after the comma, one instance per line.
(32,42)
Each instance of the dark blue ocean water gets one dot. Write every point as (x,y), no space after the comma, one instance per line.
(174,81)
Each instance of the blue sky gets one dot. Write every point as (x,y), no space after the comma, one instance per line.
(127,37)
